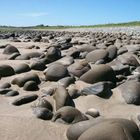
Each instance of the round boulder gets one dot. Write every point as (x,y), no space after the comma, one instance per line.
(9,49)
(30,86)
(97,55)
(69,115)
(42,113)
(38,65)
(78,68)
(21,68)
(12,93)
(103,129)
(43,103)
(20,81)
(99,73)
(101,89)
(5,85)
(130,91)
(113,129)
(53,54)
(56,72)
(24,99)
(6,70)
(62,98)
(112,50)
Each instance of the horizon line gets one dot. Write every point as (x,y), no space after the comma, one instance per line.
(57,25)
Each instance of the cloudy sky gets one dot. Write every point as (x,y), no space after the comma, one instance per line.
(67,12)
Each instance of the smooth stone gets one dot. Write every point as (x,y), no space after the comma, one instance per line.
(112,50)
(43,103)
(6,70)
(128,59)
(9,49)
(28,56)
(133,48)
(56,72)
(31,86)
(38,65)
(122,50)
(93,112)
(22,57)
(53,54)
(97,55)
(66,61)
(42,113)
(73,92)
(25,99)
(62,98)
(75,130)
(20,81)
(5,85)
(13,56)
(12,93)
(4,91)
(69,115)
(130,91)
(112,129)
(99,73)
(78,68)
(21,68)
(65,46)
(66,81)
(101,89)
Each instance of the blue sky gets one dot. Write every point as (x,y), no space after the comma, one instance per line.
(67,12)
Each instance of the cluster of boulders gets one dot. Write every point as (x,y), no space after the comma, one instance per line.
(102,61)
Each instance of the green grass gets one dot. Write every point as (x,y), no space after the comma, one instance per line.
(128,24)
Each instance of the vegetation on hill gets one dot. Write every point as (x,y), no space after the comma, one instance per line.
(41,26)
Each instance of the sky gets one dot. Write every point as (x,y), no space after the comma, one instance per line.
(68,12)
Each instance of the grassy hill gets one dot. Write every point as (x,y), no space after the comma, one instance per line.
(127,24)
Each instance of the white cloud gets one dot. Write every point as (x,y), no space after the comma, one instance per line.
(34,14)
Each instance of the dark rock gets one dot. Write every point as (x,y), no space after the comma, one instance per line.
(128,59)
(9,49)
(30,86)
(43,113)
(97,55)
(122,50)
(24,99)
(76,130)
(56,72)
(22,57)
(66,81)
(20,81)
(21,68)
(130,91)
(111,129)
(93,112)
(12,93)
(4,91)
(65,46)
(53,54)
(112,50)
(5,85)
(6,70)
(13,56)
(101,89)
(99,73)
(78,68)
(62,98)
(69,115)
(43,103)
(38,65)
